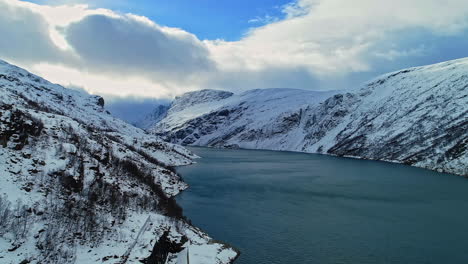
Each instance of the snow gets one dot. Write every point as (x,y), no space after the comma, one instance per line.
(203,251)
(266,102)
(255,110)
(52,133)
(416,116)
(193,104)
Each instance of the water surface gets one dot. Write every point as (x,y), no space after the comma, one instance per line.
(283,207)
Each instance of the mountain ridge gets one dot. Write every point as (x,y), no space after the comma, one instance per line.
(80,186)
(417,116)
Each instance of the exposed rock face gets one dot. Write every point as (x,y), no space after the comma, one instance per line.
(79,186)
(100,101)
(417,116)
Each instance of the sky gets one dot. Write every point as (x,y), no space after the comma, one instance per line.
(154,49)
(207,19)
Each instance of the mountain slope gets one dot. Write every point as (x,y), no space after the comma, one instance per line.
(417,116)
(228,121)
(79,186)
(153,118)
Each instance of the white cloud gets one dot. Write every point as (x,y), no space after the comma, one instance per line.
(105,85)
(393,54)
(102,51)
(267,19)
(129,44)
(24,34)
(336,36)
(318,41)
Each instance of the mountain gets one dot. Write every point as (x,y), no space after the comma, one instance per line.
(221,117)
(80,186)
(153,118)
(191,105)
(140,112)
(416,116)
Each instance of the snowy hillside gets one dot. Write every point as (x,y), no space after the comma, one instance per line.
(218,122)
(153,118)
(191,105)
(79,186)
(417,116)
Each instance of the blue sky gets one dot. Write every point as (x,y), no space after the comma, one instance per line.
(208,19)
(161,49)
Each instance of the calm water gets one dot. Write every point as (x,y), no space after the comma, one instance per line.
(281,207)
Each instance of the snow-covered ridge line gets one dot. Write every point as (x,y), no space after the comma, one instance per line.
(417,116)
(80,186)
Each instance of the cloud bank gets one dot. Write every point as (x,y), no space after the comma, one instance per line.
(319,44)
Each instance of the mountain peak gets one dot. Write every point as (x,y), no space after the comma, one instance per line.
(199,97)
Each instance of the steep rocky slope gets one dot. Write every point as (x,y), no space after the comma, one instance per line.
(153,118)
(79,186)
(417,116)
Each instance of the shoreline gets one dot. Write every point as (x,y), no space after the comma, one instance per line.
(185,219)
(332,155)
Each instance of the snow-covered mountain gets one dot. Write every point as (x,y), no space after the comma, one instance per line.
(215,118)
(417,116)
(191,105)
(153,118)
(79,186)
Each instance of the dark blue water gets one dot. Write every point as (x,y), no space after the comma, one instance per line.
(282,207)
